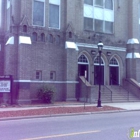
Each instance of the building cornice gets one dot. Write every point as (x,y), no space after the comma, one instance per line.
(94,46)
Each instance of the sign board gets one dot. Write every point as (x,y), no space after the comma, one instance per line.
(5,84)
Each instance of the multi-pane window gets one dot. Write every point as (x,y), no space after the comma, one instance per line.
(82,59)
(88,23)
(54,13)
(39,75)
(99,15)
(38,12)
(113,62)
(52,75)
(98,25)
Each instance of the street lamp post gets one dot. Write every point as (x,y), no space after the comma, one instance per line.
(100,47)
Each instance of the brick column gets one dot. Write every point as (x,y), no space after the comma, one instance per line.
(71,73)
(133,60)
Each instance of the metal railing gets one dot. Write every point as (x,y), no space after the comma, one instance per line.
(104,86)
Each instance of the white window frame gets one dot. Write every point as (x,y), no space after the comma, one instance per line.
(44,12)
(102,16)
(59,4)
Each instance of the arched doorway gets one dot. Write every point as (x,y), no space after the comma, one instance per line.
(114,71)
(83,65)
(97,75)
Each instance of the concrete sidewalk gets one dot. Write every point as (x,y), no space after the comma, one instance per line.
(125,105)
(63,109)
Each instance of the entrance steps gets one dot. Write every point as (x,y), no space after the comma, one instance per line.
(113,93)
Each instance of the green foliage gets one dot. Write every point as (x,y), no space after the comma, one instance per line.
(46,94)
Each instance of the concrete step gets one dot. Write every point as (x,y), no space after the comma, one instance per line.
(119,94)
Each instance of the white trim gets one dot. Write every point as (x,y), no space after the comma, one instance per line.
(71,45)
(55,82)
(133,55)
(129,55)
(10,41)
(82,63)
(93,46)
(133,41)
(136,55)
(24,40)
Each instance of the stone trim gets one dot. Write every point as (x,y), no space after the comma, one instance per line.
(55,82)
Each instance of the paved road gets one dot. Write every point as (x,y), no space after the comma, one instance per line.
(111,126)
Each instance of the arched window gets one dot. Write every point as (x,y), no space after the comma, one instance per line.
(114,71)
(70,34)
(43,37)
(83,66)
(113,62)
(82,59)
(58,39)
(97,60)
(50,38)
(24,28)
(34,36)
(109,4)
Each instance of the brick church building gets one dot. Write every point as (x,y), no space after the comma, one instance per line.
(55,41)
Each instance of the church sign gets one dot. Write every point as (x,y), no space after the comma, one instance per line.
(5,83)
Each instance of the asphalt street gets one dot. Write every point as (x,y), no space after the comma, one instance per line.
(107,126)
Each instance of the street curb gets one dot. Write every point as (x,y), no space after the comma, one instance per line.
(65,114)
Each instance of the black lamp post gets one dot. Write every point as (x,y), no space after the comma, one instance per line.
(100,47)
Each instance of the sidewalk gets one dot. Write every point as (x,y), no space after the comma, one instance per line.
(63,108)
